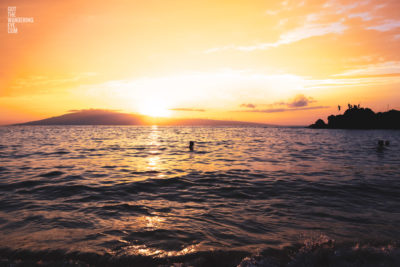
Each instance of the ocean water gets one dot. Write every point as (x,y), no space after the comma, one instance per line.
(246,196)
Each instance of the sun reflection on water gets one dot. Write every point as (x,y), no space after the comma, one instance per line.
(143,250)
(152,163)
(152,222)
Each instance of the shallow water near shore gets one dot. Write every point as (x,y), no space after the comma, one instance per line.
(248,196)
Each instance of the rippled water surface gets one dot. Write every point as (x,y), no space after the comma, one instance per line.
(128,192)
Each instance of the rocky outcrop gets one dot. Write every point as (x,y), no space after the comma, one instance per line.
(356,117)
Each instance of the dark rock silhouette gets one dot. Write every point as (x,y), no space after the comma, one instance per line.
(356,117)
(91,117)
(109,117)
(319,124)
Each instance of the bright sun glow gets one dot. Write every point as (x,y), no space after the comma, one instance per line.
(154,108)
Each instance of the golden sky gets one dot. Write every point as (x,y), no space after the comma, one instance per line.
(282,62)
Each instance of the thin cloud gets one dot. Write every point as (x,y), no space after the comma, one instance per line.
(365,16)
(271,12)
(300,101)
(384,68)
(188,109)
(42,83)
(93,109)
(249,105)
(298,34)
(275,110)
(297,102)
(387,25)
(340,8)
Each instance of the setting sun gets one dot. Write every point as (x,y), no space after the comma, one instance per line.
(154,108)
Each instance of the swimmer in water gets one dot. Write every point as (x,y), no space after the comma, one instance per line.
(191,145)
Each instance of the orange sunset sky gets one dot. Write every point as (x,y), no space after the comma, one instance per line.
(281,62)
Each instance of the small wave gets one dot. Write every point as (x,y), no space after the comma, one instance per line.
(109,167)
(58,152)
(52,174)
(63,258)
(110,210)
(20,185)
(322,254)
(201,152)
(61,191)
(328,254)
(73,178)
(139,148)
(64,167)
(144,172)
(3,169)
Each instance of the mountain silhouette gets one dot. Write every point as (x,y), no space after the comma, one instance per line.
(109,117)
(356,117)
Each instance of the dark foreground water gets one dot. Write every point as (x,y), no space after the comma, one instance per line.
(135,196)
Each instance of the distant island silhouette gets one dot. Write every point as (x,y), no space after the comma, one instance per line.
(109,117)
(356,117)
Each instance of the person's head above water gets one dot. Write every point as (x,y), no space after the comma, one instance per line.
(191,145)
